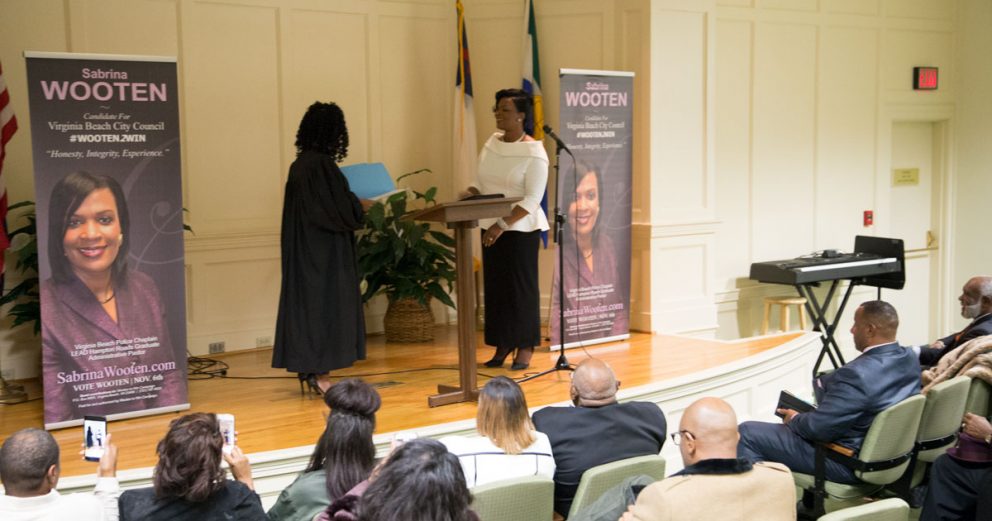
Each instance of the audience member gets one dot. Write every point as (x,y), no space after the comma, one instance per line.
(849,399)
(597,430)
(343,457)
(419,481)
(715,483)
(976,304)
(961,480)
(29,470)
(188,481)
(507,446)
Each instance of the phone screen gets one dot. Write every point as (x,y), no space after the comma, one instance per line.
(94,437)
(226,422)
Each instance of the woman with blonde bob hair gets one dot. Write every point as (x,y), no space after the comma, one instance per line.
(507,446)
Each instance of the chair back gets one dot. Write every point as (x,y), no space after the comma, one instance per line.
(892,509)
(942,416)
(601,478)
(529,498)
(979,398)
(892,434)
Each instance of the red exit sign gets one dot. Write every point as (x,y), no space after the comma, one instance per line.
(924,78)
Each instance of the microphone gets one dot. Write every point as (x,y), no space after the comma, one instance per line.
(558,141)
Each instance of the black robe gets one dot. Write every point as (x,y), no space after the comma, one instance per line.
(321,325)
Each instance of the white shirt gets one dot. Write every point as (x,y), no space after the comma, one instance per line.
(517,169)
(101,505)
(483,462)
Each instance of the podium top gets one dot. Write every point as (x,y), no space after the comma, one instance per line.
(462,211)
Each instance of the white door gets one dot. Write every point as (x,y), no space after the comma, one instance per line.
(915,186)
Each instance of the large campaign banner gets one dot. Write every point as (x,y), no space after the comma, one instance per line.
(594,184)
(105,138)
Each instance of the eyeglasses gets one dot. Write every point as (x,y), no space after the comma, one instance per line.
(677,437)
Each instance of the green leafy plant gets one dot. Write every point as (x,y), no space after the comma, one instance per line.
(404,258)
(24,296)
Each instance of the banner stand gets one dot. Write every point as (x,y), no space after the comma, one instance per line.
(107,166)
(595,183)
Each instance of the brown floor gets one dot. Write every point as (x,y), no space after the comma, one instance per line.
(271,414)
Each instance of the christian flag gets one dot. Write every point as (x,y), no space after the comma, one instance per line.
(465,153)
(532,85)
(8,125)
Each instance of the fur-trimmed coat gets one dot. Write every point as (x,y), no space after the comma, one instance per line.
(973,358)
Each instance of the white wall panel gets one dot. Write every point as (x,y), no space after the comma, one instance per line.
(415,113)
(733,150)
(146,27)
(327,57)
(784,140)
(232,118)
(736,3)
(792,5)
(863,7)
(679,55)
(846,130)
(922,9)
(969,241)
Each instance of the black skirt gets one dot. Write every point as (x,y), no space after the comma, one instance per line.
(509,270)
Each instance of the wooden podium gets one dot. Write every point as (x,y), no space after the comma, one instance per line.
(463,217)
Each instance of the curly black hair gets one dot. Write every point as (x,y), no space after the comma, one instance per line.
(323,130)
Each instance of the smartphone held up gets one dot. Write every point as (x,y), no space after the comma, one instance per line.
(94,437)
(226,422)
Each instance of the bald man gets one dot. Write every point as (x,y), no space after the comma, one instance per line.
(597,430)
(976,304)
(715,483)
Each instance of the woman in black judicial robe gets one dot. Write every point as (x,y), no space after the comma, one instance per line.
(320,326)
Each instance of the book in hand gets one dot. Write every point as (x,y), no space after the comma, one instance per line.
(787,400)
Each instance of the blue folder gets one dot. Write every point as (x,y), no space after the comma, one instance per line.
(369,180)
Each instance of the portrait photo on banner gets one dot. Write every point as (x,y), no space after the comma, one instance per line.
(595,190)
(105,135)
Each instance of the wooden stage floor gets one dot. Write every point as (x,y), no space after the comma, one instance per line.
(271,414)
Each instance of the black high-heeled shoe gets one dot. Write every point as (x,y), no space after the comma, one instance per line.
(522,360)
(314,386)
(310,379)
(499,357)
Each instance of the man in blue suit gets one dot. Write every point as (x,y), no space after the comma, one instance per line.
(849,399)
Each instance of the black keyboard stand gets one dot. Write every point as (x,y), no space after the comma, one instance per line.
(818,313)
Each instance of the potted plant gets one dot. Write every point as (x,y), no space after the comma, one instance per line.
(24,295)
(408,262)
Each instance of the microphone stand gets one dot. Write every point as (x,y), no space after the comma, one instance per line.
(562,363)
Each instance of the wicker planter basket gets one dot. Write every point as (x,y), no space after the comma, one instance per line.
(407,320)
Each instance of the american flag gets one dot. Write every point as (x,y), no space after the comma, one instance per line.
(8,125)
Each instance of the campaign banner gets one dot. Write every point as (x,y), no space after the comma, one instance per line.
(108,187)
(594,183)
